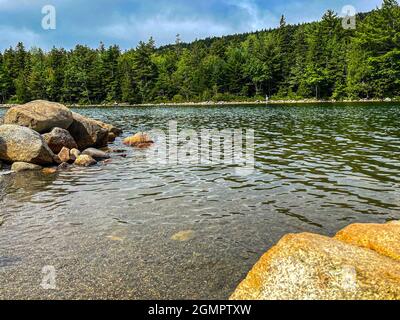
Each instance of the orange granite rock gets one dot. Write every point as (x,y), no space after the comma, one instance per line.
(382,238)
(313,267)
(140,140)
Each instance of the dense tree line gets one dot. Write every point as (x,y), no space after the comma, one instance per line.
(314,60)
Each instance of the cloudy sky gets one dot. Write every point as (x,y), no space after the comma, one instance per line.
(125,22)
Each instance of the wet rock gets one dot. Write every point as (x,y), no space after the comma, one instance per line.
(64,155)
(87,132)
(382,238)
(21,144)
(111,137)
(40,115)
(110,128)
(118,150)
(59,138)
(183,236)
(63,166)
(139,140)
(96,153)
(23,166)
(85,161)
(313,267)
(49,171)
(74,153)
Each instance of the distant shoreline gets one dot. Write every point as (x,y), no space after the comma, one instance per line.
(219,103)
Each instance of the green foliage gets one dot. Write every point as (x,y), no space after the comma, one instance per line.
(314,60)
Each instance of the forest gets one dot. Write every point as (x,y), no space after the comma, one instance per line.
(319,60)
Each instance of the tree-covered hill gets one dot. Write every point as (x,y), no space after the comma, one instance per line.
(314,60)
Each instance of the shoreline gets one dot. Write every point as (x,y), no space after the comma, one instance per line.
(219,103)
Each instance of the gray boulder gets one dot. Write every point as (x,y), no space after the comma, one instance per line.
(110,128)
(59,138)
(24,166)
(96,153)
(21,144)
(87,132)
(41,116)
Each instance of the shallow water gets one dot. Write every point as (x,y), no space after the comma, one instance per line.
(108,230)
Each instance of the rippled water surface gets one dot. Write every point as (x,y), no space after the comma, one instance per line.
(108,230)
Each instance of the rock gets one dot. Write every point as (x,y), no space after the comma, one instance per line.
(314,267)
(74,153)
(63,166)
(64,155)
(140,140)
(85,161)
(110,128)
(40,115)
(111,137)
(23,166)
(183,236)
(49,170)
(20,144)
(1,121)
(382,238)
(59,138)
(96,154)
(87,132)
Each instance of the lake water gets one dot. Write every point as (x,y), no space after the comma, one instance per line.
(107,230)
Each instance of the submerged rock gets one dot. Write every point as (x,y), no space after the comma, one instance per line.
(139,140)
(87,132)
(40,115)
(96,153)
(183,236)
(59,138)
(23,166)
(313,267)
(85,161)
(21,144)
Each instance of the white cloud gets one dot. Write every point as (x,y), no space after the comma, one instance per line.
(257,18)
(164,28)
(11,35)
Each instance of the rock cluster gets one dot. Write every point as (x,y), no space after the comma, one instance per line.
(42,133)
(362,262)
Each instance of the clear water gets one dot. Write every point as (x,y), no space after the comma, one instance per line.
(107,229)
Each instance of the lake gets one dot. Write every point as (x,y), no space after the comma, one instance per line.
(108,231)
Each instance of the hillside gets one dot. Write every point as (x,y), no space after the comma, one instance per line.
(314,60)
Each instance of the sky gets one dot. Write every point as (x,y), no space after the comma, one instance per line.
(126,22)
